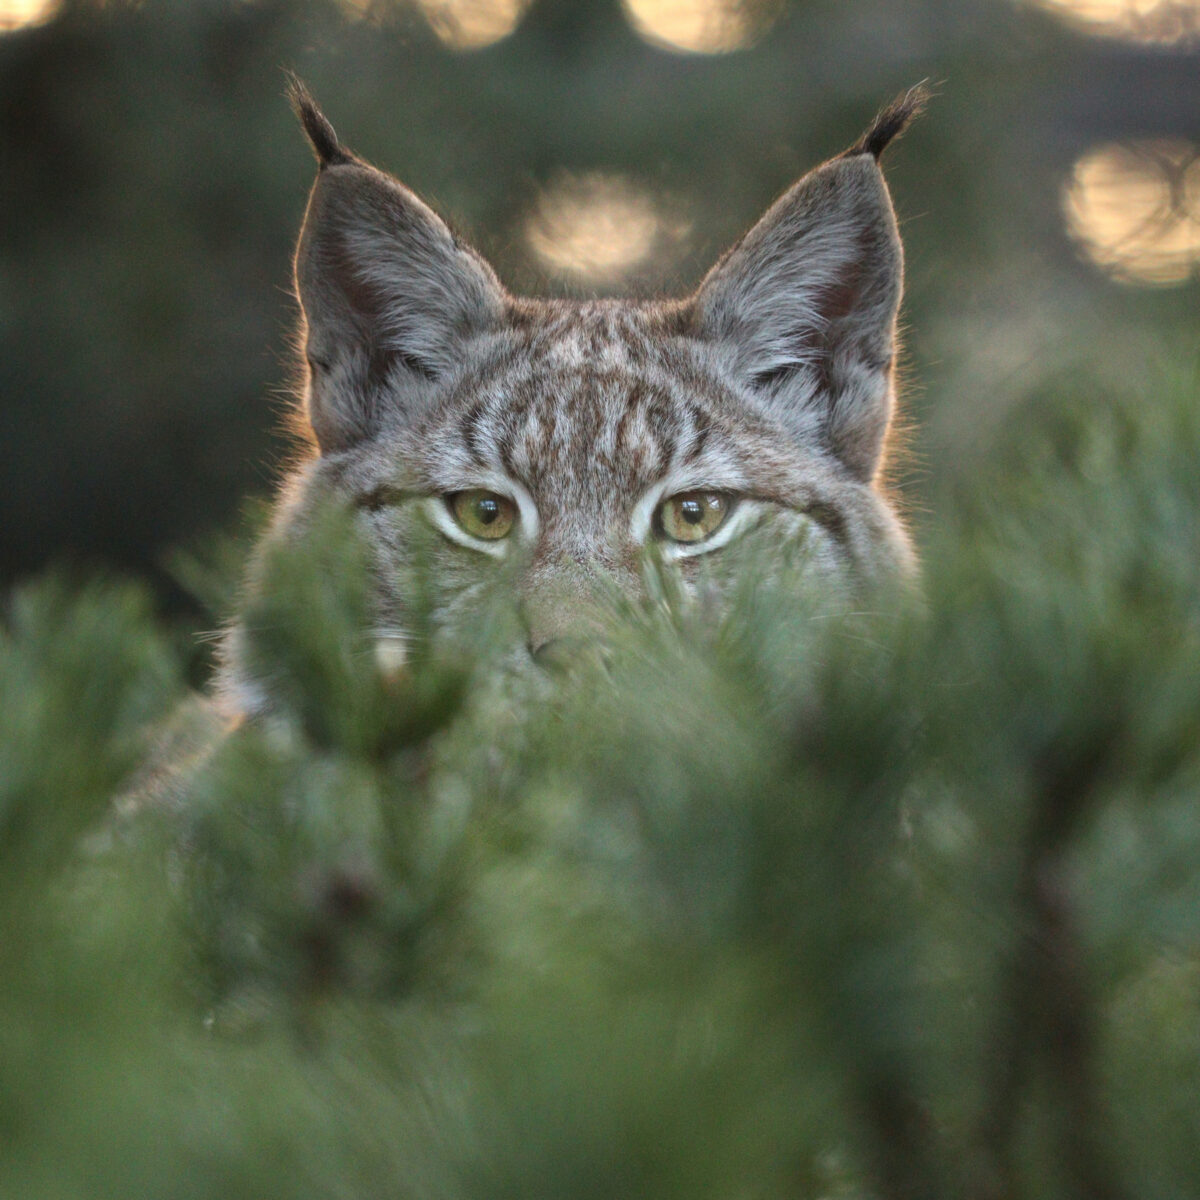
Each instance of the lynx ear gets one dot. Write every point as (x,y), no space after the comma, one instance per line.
(804,306)
(390,296)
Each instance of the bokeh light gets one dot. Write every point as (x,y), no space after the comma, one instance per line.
(20,14)
(1135,210)
(597,228)
(1164,21)
(472,24)
(701,26)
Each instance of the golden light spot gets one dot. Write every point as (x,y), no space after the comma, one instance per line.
(472,24)
(1163,21)
(21,14)
(701,26)
(597,228)
(1135,210)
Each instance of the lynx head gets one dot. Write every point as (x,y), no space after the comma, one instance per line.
(559,443)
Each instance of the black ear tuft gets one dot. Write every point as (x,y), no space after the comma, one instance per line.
(892,121)
(316,125)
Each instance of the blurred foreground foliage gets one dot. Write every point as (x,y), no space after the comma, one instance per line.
(864,905)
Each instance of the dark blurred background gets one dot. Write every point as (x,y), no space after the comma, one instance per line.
(152,181)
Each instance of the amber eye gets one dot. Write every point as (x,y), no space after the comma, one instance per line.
(483,514)
(692,516)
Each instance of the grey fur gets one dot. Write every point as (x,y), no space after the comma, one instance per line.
(391,302)
(804,308)
(772,385)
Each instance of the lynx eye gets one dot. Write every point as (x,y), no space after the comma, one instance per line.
(692,516)
(483,514)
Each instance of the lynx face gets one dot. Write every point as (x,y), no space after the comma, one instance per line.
(553,446)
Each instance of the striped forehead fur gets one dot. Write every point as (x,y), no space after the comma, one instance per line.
(593,388)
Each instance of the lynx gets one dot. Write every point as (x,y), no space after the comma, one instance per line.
(563,440)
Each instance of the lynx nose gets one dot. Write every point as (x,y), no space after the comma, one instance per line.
(558,653)
(559,625)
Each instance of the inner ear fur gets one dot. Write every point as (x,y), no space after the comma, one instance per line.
(389,296)
(804,309)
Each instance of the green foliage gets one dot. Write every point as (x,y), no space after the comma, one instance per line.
(88,662)
(780,903)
